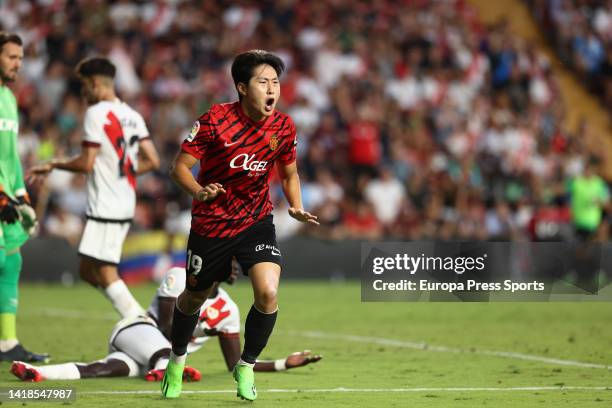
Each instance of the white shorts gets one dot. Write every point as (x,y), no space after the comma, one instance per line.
(103,241)
(139,339)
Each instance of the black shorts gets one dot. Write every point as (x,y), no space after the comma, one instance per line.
(209,260)
(585,235)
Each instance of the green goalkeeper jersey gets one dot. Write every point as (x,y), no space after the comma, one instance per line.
(11,173)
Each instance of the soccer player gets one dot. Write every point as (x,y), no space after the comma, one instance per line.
(135,346)
(236,145)
(589,196)
(14,204)
(138,345)
(116,148)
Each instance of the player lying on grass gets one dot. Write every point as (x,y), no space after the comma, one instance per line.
(138,347)
(143,348)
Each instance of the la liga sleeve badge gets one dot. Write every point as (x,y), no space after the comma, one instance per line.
(194,131)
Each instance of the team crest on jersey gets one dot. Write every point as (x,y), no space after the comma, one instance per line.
(212,313)
(194,131)
(273,142)
(169,282)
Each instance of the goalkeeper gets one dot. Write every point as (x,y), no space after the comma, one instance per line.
(17,218)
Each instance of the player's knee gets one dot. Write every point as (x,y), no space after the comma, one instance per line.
(267,299)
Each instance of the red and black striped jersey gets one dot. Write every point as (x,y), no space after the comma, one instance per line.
(239,154)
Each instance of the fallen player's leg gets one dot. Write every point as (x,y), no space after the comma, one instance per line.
(143,349)
(116,364)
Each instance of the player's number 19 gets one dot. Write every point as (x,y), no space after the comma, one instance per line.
(194,262)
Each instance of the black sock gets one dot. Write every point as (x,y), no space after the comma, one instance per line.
(257,330)
(182,331)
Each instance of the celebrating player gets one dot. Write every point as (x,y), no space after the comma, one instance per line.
(237,145)
(115,149)
(17,218)
(138,345)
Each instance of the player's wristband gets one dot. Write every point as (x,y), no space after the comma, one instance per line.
(280,365)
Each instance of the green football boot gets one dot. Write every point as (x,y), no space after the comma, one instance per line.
(172,383)
(245,378)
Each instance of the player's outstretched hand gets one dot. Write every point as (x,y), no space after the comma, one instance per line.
(210,192)
(301,358)
(38,173)
(303,216)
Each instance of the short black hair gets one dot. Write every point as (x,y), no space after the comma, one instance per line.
(244,63)
(9,38)
(95,66)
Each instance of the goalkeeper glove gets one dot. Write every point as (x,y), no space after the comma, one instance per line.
(8,210)
(27,215)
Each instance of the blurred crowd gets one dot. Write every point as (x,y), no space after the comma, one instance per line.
(581,31)
(415,121)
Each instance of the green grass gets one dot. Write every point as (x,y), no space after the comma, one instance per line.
(569,331)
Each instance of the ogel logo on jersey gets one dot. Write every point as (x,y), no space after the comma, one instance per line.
(247,163)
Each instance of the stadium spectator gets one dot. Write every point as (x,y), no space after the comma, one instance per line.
(450,105)
(386,194)
(63,224)
(581,32)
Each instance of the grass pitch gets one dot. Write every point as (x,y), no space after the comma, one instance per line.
(375,354)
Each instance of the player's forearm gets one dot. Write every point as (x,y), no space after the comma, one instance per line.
(183,177)
(148,158)
(146,166)
(230,347)
(292,190)
(165,311)
(78,164)
(278,365)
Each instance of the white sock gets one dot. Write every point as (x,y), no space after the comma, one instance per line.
(242,362)
(178,359)
(68,371)
(6,345)
(161,363)
(122,300)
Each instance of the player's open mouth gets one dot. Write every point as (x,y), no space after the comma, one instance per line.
(269,104)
